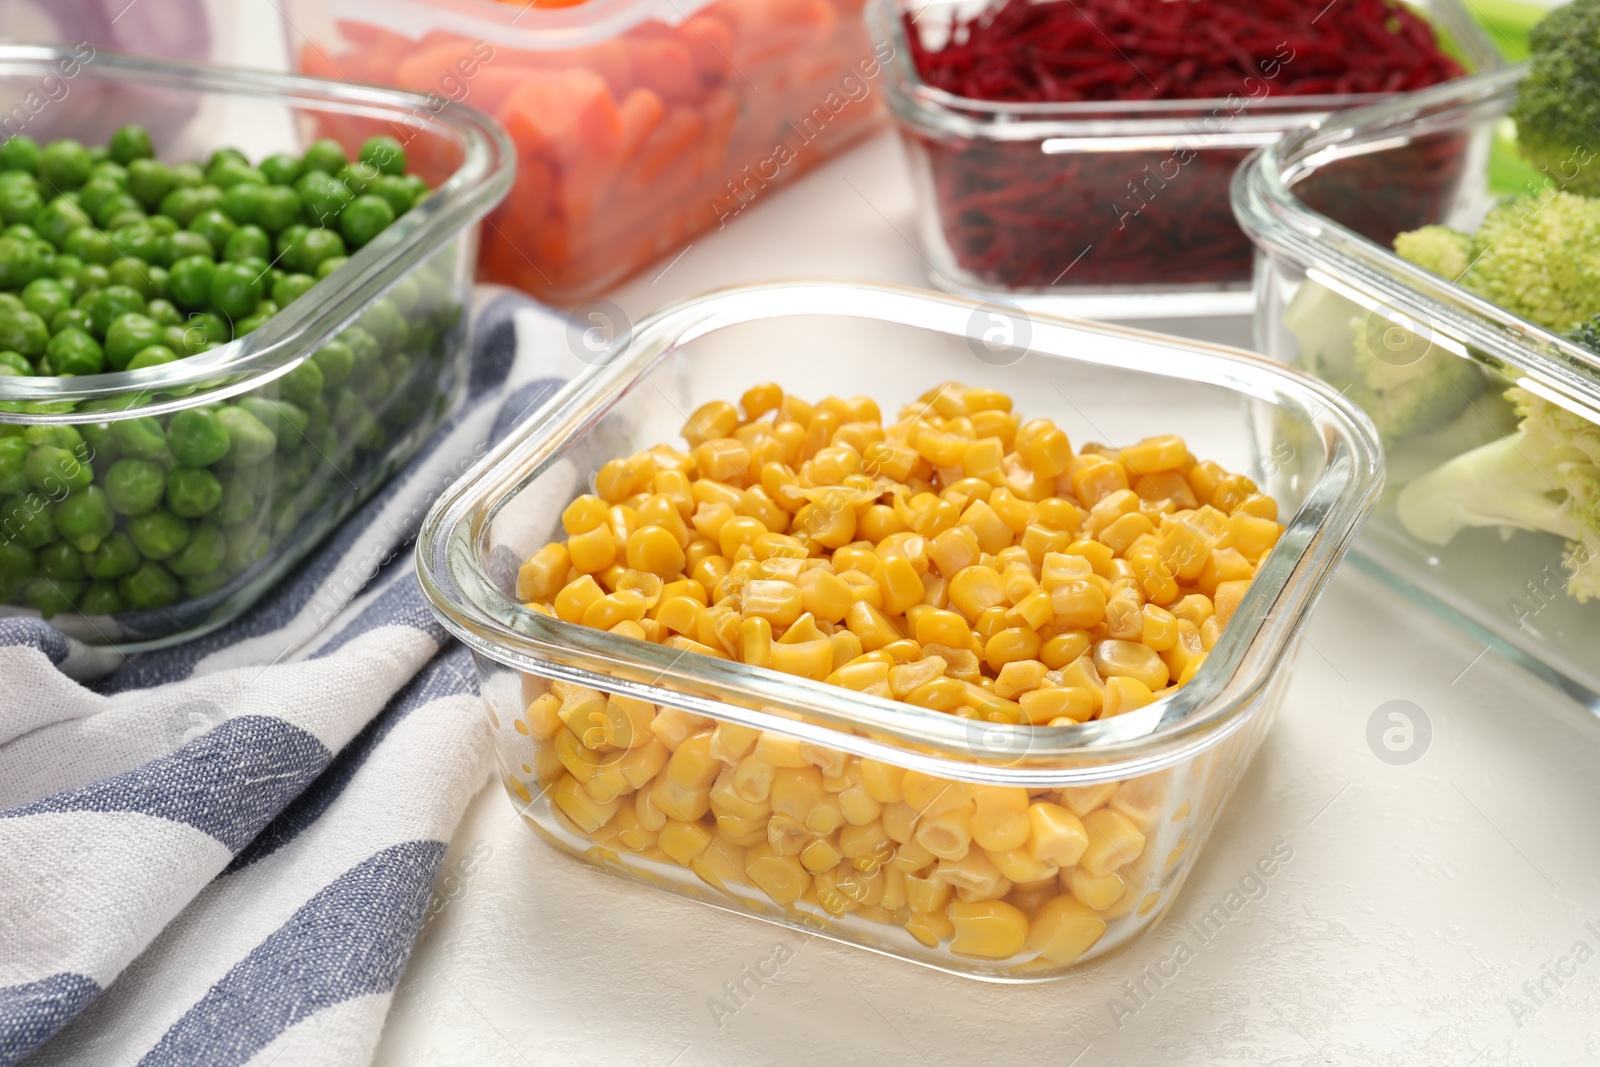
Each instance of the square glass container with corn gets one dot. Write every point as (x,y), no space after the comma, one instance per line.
(889,657)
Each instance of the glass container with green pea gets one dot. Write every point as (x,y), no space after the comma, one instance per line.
(182,413)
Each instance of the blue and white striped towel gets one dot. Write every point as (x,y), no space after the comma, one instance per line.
(220,853)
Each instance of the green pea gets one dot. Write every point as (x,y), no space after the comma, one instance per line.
(277,207)
(247,242)
(56,435)
(92,277)
(55,470)
(50,597)
(214,225)
(72,319)
(323,196)
(365,218)
(134,486)
(385,153)
(142,438)
(329,265)
(58,218)
(238,502)
(196,437)
(235,289)
(74,351)
(183,340)
(140,242)
(20,153)
(210,326)
(90,244)
(280,169)
(224,154)
(22,260)
(150,587)
(291,287)
(149,181)
(358,176)
(115,211)
(335,359)
(354,420)
(97,190)
(23,331)
(286,420)
(20,203)
(180,246)
(394,191)
(112,303)
(13,474)
(188,174)
(204,553)
(158,533)
(249,440)
(302,385)
(163,225)
(186,203)
(164,312)
(28,519)
(64,164)
(241,199)
(189,281)
(46,298)
(131,143)
(316,246)
(136,274)
(255,320)
(85,518)
(116,555)
(17,562)
(151,356)
(227,173)
(101,598)
(128,335)
(191,492)
(61,562)
(326,155)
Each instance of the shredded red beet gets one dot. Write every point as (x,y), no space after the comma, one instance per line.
(1016,217)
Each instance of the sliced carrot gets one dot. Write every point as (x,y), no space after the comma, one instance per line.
(677,132)
(665,66)
(641,112)
(710,43)
(571,110)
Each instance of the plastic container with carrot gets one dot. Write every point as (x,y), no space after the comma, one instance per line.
(638,123)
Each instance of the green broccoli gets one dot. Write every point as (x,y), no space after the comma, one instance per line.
(1557,109)
(1539,257)
(1440,249)
(1587,334)
(1544,477)
(1404,382)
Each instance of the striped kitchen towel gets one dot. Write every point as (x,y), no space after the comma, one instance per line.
(220,853)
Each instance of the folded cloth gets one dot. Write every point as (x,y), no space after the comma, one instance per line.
(220,853)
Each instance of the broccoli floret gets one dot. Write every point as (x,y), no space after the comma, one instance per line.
(1539,257)
(1544,477)
(1557,110)
(1407,384)
(1587,334)
(1440,249)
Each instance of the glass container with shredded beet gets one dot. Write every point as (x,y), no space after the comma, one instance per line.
(1085,147)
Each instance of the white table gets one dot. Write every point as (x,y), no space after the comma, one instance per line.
(1421,910)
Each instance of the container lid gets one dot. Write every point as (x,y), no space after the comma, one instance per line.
(516,25)
(1449,316)
(480,181)
(452,550)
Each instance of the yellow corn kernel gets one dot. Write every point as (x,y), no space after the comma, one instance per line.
(752,779)
(583,514)
(1130,659)
(860,676)
(987,929)
(805,659)
(859,807)
(1210,633)
(1055,835)
(760,399)
(1063,648)
(655,550)
(1113,841)
(927,795)
(1044,707)
(575,598)
(782,878)
(1252,536)
(930,927)
(941,694)
(1020,866)
(720,864)
(1227,599)
(680,614)
(755,643)
(846,648)
(909,676)
(1192,669)
(586,813)
(1082,799)
(692,767)
(795,790)
(883,781)
(1097,891)
(731,742)
(542,717)
(989,707)
(1124,695)
(709,421)
(631,834)
(1158,628)
(825,815)
(1095,477)
(1155,454)
(651,817)
(639,765)
(1205,476)
(947,835)
(544,572)
(901,584)
(1064,929)
(683,841)
(1079,604)
(625,721)
(780,751)
(975,589)
(727,800)
(1224,565)
(825,595)
(1010,645)
(777,602)
(870,625)
(1019,677)
(613,608)
(739,830)
(674,726)
(1000,817)
(592,551)
(936,626)
(821,855)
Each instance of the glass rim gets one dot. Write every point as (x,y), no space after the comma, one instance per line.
(1459,320)
(451,543)
(526,27)
(278,346)
(932,110)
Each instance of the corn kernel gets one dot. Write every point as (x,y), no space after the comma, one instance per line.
(782,878)
(1064,929)
(1097,891)
(987,929)
(1130,659)
(1043,707)
(947,835)
(930,927)
(1124,695)
(1113,841)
